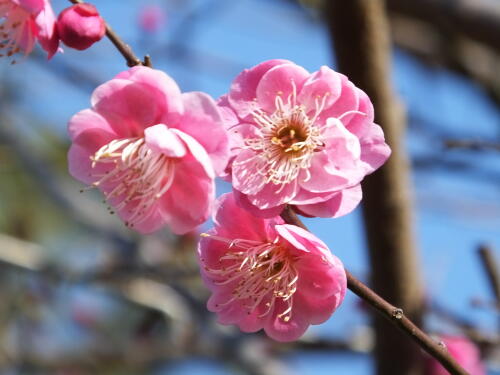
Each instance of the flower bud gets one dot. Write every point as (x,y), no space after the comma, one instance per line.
(80,26)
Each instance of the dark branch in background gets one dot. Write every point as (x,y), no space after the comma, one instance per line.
(471,144)
(478,19)
(491,269)
(121,46)
(453,51)
(360,37)
(391,313)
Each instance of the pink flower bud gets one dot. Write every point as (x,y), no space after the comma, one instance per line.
(80,26)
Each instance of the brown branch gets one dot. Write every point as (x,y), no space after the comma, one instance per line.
(477,19)
(360,37)
(121,46)
(470,144)
(392,313)
(491,268)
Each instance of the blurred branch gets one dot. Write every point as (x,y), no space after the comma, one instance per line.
(471,144)
(477,19)
(360,39)
(465,325)
(491,269)
(451,51)
(392,313)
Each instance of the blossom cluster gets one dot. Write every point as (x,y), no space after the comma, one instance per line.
(282,137)
(25,22)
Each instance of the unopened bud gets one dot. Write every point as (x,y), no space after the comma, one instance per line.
(80,26)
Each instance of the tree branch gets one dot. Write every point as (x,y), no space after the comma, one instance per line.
(391,313)
(491,269)
(360,36)
(121,46)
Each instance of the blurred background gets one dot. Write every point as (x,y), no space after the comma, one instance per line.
(81,294)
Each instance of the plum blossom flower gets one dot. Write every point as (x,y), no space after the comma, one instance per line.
(151,150)
(80,25)
(23,22)
(152,18)
(301,139)
(464,352)
(264,274)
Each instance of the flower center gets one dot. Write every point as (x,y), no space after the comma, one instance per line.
(138,176)
(260,273)
(15,32)
(289,138)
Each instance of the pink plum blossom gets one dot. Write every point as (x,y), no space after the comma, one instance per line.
(80,26)
(299,138)
(152,18)
(23,22)
(464,352)
(151,150)
(264,274)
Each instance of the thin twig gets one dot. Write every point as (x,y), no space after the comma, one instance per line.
(491,269)
(470,144)
(392,313)
(121,46)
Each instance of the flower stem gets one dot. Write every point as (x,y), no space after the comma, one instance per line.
(392,313)
(121,46)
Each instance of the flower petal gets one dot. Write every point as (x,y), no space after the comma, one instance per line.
(160,139)
(282,81)
(325,83)
(244,87)
(340,204)
(202,120)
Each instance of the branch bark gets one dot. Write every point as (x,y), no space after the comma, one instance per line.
(478,19)
(390,312)
(361,41)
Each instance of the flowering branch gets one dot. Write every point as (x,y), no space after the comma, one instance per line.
(121,46)
(392,313)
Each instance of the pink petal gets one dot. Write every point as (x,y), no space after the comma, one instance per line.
(303,240)
(243,89)
(233,221)
(321,176)
(197,151)
(279,82)
(322,278)
(272,195)
(86,120)
(279,330)
(228,116)
(374,150)
(188,202)
(360,123)
(307,197)
(317,310)
(323,83)
(163,88)
(247,172)
(47,30)
(348,101)
(151,224)
(161,139)
(243,202)
(202,120)
(340,204)
(31,6)
(83,147)
(128,107)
